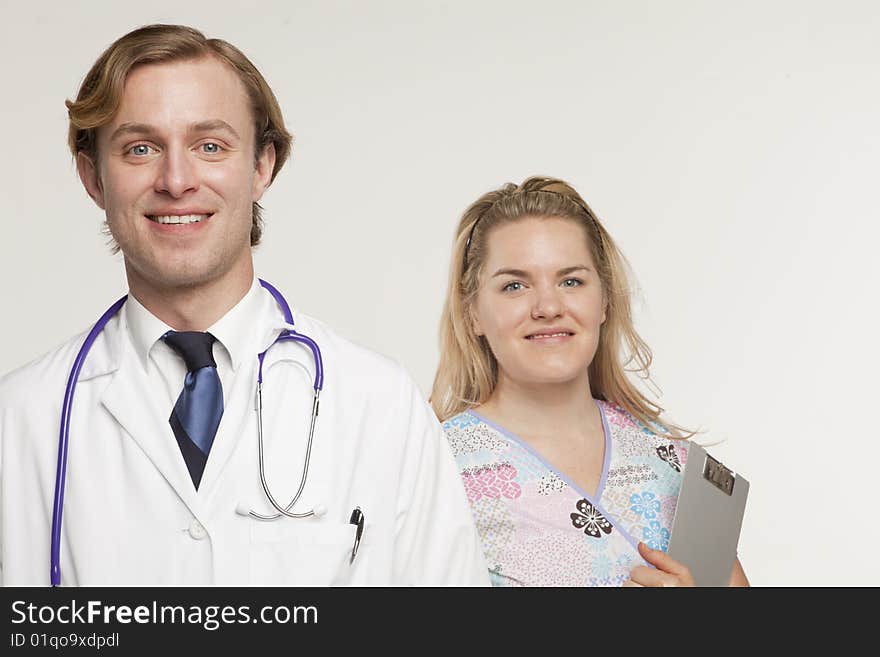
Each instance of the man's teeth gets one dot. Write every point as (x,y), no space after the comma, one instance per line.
(549,335)
(178,218)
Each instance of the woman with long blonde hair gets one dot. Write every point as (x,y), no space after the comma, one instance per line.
(571,473)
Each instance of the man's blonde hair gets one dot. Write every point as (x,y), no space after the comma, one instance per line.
(468,371)
(100,94)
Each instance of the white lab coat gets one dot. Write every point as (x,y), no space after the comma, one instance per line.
(132,515)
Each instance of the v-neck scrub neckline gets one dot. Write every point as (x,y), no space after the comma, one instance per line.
(539,528)
(595,498)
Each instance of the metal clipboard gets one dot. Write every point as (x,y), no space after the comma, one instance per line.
(708,518)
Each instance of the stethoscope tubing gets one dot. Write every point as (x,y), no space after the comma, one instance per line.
(64,435)
(283,511)
(66,411)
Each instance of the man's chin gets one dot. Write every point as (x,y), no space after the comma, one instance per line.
(167,277)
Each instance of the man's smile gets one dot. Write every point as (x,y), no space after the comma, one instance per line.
(177,218)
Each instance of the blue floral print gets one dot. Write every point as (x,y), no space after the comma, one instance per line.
(645,504)
(656,537)
(460,421)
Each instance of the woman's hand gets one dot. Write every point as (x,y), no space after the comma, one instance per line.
(667,571)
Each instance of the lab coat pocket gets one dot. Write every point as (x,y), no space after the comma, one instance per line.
(305,552)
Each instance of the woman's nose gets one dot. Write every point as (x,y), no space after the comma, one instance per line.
(547,303)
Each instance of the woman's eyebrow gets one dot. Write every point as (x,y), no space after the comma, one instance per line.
(568,270)
(511,272)
(521,273)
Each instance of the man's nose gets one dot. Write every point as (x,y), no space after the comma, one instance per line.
(177,173)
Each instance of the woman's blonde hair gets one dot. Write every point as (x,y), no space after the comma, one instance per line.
(468,371)
(100,93)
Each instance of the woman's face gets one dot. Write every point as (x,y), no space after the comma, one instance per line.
(540,303)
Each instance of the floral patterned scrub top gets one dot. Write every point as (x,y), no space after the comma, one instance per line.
(539,529)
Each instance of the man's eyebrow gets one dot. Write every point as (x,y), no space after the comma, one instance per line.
(214,124)
(143,129)
(132,129)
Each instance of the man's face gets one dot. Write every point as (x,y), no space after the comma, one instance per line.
(176,176)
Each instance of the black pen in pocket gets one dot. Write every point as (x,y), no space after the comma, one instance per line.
(357,518)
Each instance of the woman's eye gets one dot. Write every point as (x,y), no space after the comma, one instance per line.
(140,149)
(572,282)
(513,286)
(211,148)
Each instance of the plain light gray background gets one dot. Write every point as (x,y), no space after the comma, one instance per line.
(731,149)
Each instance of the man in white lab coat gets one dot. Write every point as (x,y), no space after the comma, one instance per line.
(176,138)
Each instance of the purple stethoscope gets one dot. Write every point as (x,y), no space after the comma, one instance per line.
(61,472)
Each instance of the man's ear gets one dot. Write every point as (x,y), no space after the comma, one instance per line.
(88,174)
(265,167)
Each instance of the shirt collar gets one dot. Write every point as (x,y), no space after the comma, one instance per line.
(144,328)
(234,331)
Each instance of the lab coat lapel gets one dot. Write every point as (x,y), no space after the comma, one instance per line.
(141,418)
(238,419)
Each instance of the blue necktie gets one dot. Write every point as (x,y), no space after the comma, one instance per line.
(196,415)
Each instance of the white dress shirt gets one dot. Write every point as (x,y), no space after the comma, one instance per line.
(237,340)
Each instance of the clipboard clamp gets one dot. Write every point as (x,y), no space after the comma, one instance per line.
(719,475)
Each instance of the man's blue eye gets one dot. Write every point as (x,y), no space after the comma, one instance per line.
(140,149)
(211,148)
